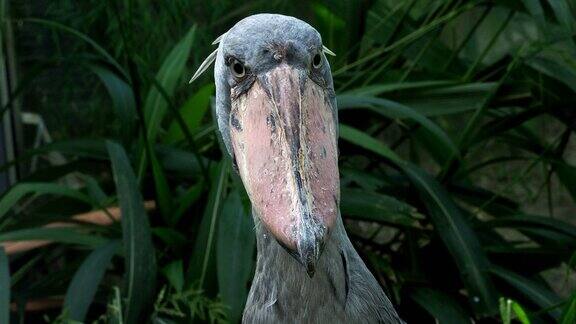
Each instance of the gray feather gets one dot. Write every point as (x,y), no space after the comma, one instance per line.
(327,51)
(204,66)
(218,39)
(282,293)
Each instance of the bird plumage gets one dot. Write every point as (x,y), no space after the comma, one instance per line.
(341,291)
(275,101)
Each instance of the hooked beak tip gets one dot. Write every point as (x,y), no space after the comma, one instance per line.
(309,262)
(309,252)
(310,270)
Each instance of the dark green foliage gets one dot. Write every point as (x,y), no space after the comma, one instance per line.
(456,157)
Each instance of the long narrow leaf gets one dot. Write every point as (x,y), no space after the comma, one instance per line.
(365,205)
(70,235)
(122,97)
(11,198)
(192,112)
(235,249)
(202,264)
(457,235)
(538,294)
(86,280)
(140,262)
(168,76)
(392,109)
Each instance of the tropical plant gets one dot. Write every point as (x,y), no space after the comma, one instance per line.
(456,124)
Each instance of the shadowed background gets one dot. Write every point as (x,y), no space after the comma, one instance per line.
(457,158)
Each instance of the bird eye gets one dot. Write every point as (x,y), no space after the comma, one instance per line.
(238,69)
(317,61)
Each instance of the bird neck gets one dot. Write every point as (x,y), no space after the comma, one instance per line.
(280,278)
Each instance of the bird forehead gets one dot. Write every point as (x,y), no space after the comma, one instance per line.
(265,30)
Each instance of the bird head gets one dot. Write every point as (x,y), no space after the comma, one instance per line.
(276,112)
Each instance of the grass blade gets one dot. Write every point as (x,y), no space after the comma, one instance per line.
(202,258)
(140,262)
(507,306)
(86,280)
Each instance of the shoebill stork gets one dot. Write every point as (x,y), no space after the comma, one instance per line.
(276,112)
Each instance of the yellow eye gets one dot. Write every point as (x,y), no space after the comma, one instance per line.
(317,61)
(238,69)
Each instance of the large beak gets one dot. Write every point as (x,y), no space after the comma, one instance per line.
(284,139)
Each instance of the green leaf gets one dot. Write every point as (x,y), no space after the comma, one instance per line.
(202,263)
(455,232)
(538,294)
(188,198)
(235,250)
(193,111)
(447,100)
(459,238)
(86,280)
(394,110)
(555,68)
(365,180)
(507,306)
(5,284)
(563,14)
(163,194)
(70,235)
(140,262)
(170,236)
(374,90)
(371,206)
(537,222)
(569,313)
(122,98)
(367,142)
(20,190)
(536,10)
(444,308)
(520,313)
(78,147)
(174,272)
(168,76)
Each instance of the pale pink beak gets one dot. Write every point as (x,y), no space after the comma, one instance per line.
(283,132)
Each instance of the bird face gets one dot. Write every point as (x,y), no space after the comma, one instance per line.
(276,112)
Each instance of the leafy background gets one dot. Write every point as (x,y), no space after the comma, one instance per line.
(457,159)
